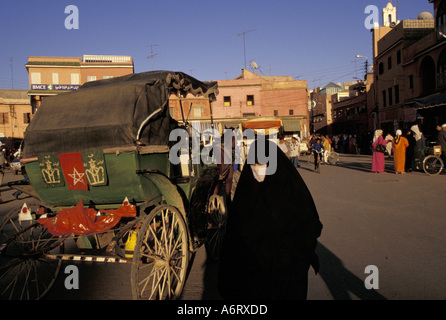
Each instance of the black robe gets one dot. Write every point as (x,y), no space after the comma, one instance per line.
(271,236)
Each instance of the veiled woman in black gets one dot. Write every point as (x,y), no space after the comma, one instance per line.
(271,233)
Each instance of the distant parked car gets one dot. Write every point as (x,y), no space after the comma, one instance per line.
(16,166)
(303,147)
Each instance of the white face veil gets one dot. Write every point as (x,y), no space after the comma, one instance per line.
(259,171)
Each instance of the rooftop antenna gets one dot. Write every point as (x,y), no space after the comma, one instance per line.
(244,41)
(152,55)
(255,66)
(11,59)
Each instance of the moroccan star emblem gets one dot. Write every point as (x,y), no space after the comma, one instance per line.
(77,177)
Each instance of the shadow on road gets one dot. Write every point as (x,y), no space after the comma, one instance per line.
(340,281)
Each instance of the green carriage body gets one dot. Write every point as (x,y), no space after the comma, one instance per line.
(124,124)
(99,159)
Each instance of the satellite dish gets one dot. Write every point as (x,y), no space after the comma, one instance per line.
(254,65)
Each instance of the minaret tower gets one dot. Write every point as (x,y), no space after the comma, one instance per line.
(389,15)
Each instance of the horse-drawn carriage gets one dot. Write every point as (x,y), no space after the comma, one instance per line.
(98,161)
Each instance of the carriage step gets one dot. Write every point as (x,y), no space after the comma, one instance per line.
(85,258)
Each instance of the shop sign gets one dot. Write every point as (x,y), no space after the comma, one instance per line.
(55,87)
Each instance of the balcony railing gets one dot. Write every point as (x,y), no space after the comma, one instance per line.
(106,59)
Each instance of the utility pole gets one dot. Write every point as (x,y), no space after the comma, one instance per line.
(244,42)
(11,59)
(152,55)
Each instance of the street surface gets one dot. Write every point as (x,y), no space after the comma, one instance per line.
(393,222)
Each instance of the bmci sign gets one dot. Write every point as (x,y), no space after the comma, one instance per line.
(55,87)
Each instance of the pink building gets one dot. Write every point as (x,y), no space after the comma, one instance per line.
(252,95)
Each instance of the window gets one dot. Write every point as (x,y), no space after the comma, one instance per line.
(55,77)
(35,78)
(411,82)
(26,117)
(276,113)
(389,63)
(91,78)
(397,94)
(4,118)
(75,78)
(441,69)
(441,18)
(227,101)
(384,98)
(249,100)
(291,112)
(398,57)
(107,77)
(381,68)
(196,111)
(390,97)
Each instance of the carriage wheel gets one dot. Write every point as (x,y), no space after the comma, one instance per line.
(216,226)
(161,256)
(24,272)
(433,165)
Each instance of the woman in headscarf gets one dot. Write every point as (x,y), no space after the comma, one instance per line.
(399,144)
(420,143)
(271,233)
(410,160)
(378,162)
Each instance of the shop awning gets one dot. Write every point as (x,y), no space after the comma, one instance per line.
(434,100)
(263,123)
(291,125)
(230,125)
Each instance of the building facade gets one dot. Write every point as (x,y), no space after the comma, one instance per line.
(53,75)
(410,72)
(322,100)
(252,95)
(350,114)
(15,114)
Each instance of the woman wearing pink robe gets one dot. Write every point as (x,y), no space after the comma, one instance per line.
(378,161)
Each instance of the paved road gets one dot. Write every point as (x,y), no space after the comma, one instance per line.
(394,222)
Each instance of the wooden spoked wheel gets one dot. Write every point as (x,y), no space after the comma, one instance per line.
(161,256)
(216,228)
(25,273)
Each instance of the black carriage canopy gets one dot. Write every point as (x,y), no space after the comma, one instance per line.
(118,112)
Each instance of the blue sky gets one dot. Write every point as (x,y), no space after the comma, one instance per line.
(313,40)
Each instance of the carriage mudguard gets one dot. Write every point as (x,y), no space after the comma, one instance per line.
(83,221)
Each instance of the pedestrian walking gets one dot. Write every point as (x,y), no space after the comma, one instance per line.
(389,137)
(327,146)
(399,145)
(271,234)
(378,162)
(294,151)
(420,142)
(410,159)
(283,145)
(441,141)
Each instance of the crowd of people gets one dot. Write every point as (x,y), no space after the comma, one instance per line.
(405,147)
(320,146)
(6,157)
